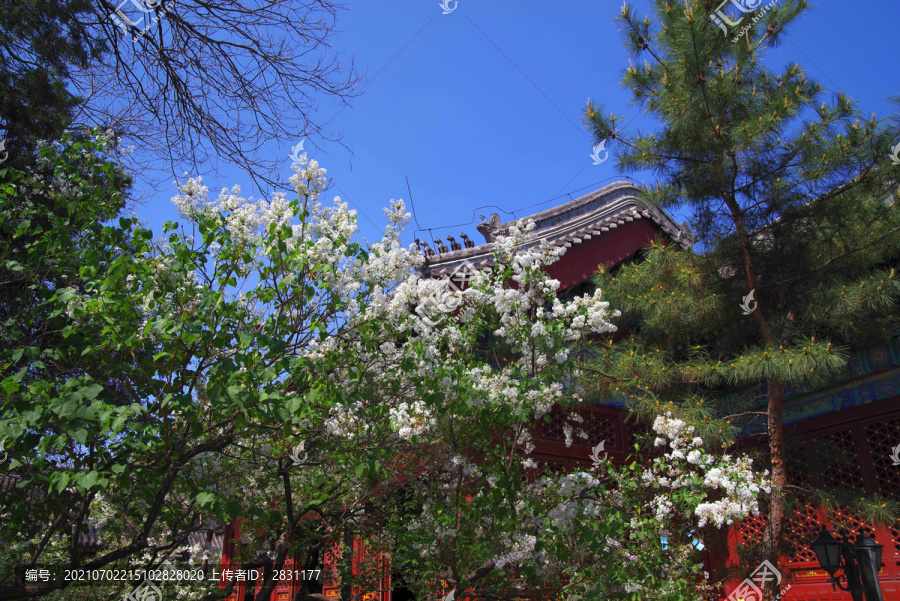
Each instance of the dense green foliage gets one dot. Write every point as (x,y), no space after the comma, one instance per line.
(265,370)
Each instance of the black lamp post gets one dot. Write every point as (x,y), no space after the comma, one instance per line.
(861,562)
(868,558)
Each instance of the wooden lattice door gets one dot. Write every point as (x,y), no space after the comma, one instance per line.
(857,456)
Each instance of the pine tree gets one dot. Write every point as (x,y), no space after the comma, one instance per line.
(792,199)
(43,43)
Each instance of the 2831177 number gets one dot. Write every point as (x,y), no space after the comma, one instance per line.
(297,574)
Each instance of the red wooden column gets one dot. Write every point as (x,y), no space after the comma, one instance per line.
(365,559)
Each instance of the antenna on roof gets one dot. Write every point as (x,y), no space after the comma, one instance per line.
(411,204)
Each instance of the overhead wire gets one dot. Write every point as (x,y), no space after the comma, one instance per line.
(504,211)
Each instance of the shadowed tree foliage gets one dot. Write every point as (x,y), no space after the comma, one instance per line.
(41,45)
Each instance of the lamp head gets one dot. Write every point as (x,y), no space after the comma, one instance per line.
(828,551)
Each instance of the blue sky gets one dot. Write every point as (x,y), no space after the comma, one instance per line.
(482,106)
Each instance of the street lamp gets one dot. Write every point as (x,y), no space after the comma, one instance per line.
(861,562)
(868,558)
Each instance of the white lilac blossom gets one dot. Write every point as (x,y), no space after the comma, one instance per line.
(577,481)
(411,419)
(663,507)
(462,466)
(669,426)
(411,340)
(722,489)
(735,480)
(521,548)
(567,433)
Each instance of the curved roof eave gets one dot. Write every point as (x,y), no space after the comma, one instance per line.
(581,219)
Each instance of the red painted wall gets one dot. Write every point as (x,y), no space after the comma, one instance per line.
(581,260)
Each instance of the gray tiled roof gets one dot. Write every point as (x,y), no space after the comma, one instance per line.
(215,545)
(584,218)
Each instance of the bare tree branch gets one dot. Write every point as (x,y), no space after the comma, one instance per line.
(214,80)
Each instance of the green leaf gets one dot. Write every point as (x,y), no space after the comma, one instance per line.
(205,498)
(67,409)
(245,339)
(11,384)
(91,392)
(117,423)
(81,436)
(90,480)
(62,480)
(294,403)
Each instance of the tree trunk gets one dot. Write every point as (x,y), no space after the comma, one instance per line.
(281,552)
(775,522)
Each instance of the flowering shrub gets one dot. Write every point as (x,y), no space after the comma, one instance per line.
(595,534)
(197,363)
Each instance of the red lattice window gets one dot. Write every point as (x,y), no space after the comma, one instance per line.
(802,527)
(554,428)
(799,465)
(855,456)
(371,566)
(895,537)
(847,524)
(752,529)
(633,429)
(601,427)
(331,575)
(596,425)
(846,474)
(883,436)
